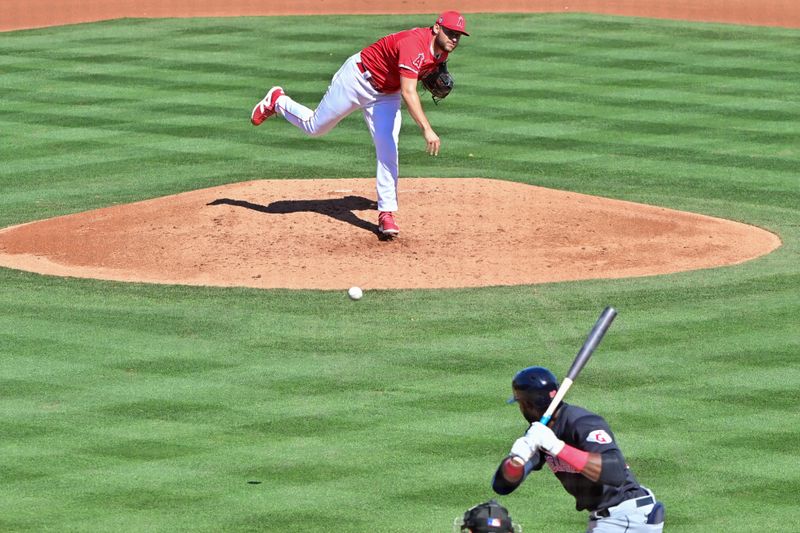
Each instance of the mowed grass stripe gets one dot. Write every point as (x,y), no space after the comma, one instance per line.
(702,161)
(612,60)
(549,114)
(122,124)
(642,98)
(655,96)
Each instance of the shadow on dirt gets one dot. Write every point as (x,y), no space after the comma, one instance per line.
(338,208)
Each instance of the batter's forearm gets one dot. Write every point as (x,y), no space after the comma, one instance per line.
(594,467)
(500,482)
(588,464)
(607,468)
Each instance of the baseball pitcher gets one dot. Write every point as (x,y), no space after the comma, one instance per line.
(375,80)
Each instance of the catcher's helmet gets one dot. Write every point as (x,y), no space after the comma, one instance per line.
(488,517)
(537,384)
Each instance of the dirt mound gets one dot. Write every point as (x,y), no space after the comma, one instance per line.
(322,234)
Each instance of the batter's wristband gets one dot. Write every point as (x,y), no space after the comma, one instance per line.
(512,471)
(574,457)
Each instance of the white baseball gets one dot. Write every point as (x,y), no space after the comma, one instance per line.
(355,293)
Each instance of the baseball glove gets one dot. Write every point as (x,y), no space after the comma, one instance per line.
(487,517)
(438,82)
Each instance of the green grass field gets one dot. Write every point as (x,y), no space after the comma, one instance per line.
(131,407)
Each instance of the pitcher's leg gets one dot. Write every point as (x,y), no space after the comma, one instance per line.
(344,95)
(383,119)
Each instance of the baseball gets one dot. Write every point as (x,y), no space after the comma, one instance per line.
(355,293)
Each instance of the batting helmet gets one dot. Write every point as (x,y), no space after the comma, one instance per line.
(536,384)
(488,517)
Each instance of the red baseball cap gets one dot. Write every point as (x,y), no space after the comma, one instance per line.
(452,20)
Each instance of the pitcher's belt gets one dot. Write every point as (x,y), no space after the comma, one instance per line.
(363,70)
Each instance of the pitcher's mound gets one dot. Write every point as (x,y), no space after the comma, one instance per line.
(322,234)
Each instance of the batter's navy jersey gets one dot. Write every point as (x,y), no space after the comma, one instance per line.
(589,432)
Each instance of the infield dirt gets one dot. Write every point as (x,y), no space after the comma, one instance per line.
(19,14)
(322,234)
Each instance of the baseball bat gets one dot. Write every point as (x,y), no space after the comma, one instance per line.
(594,338)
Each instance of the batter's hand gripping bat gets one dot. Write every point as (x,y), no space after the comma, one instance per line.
(594,338)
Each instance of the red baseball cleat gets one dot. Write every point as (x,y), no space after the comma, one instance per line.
(386,224)
(266,107)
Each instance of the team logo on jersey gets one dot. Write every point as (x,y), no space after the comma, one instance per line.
(418,61)
(600,437)
(557,465)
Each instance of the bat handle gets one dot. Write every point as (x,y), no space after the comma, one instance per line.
(562,391)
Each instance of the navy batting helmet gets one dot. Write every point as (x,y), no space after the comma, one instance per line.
(536,384)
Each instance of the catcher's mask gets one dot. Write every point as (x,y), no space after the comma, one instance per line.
(488,517)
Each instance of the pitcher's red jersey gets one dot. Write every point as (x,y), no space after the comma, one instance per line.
(407,53)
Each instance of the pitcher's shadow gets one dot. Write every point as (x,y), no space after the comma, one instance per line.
(338,208)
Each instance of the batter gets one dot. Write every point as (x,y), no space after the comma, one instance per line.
(375,80)
(580,449)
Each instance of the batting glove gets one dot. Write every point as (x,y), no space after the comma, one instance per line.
(523,448)
(545,438)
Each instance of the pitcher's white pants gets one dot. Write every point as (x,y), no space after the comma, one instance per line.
(350,90)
